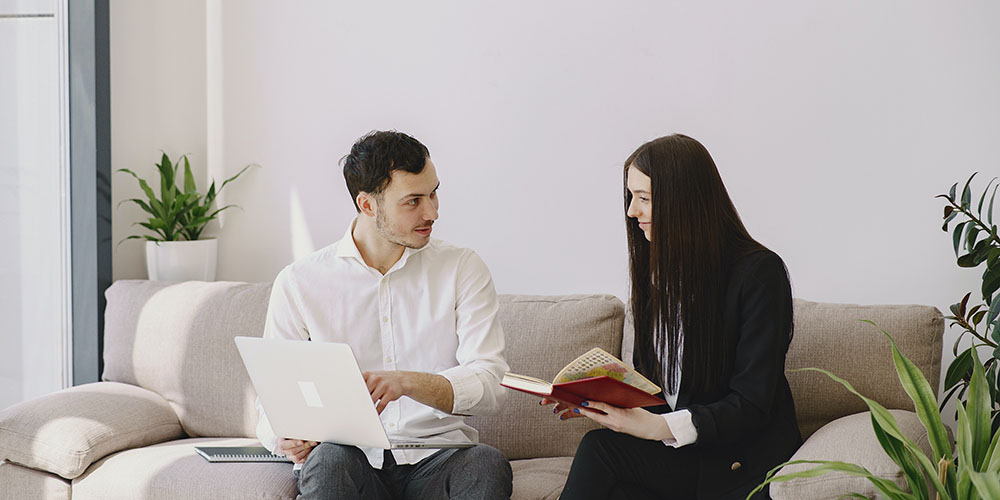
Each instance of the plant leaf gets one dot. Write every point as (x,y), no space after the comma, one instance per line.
(967,193)
(957,237)
(951,192)
(959,368)
(987,483)
(983,197)
(924,399)
(189,186)
(989,215)
(979,406)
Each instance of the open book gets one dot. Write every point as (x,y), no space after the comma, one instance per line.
(594,376)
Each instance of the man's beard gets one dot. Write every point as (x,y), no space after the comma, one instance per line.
(393,236)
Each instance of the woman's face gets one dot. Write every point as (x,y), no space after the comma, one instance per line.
(641,206)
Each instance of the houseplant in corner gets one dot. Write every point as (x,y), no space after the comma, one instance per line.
(976,242)
(175,251)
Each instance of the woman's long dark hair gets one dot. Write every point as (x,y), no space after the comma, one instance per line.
(679,278)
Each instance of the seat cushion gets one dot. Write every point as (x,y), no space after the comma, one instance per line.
(543,335)
(64,432)
(174,470)
(19,483)
(540,478)
(848,439)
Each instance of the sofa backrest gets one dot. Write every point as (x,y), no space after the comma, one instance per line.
(176,339)
(834,338)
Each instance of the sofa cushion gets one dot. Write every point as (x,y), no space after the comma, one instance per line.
(540,478)
(543,335)
(832,337)
(64,432)
(174,470)
(848,439)
(176,339)
(20,483)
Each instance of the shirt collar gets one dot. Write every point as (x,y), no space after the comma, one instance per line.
(348,248)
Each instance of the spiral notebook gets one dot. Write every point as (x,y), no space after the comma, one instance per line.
(239,454)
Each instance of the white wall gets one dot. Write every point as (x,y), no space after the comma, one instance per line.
(833,125)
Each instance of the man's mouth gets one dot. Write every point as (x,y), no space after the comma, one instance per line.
(424,230)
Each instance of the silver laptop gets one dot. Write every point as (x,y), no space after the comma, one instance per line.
(314,391)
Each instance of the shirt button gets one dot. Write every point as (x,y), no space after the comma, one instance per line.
(392,425)
(385,319)
(388,359)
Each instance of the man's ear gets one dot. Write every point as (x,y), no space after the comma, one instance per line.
(366,202)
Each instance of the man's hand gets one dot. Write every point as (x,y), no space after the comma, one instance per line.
(633,421)
(426,388)
(296,450)
(386,387)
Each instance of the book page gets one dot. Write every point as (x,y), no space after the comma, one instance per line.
(598,362)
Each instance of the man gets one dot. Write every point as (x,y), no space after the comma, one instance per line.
(420,315)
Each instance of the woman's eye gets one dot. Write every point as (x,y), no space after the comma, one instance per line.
(644,200)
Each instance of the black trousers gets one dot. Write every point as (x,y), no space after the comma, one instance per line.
(612,465)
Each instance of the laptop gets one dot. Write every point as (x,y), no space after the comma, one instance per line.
(314,391)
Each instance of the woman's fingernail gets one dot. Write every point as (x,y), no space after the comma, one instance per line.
(576,410)
(553,410)
(584,404)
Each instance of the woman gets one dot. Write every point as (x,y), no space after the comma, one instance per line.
(712,314)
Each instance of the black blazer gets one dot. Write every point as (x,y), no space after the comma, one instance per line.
(749,427)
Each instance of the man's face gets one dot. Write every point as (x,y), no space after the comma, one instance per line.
(408,207)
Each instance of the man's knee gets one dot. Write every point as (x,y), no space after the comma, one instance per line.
(330,456)
(489,458)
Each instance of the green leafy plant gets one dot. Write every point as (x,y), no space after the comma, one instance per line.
(177,214)
(971,470)
(976,242)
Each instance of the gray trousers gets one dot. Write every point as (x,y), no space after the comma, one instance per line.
(340,472)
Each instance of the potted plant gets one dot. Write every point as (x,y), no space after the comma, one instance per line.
(175,251)
(976,242)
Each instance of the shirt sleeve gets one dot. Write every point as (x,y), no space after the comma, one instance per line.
(681,427)
(283,321)
(475,382)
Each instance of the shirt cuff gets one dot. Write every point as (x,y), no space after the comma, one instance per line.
(466,387)
(681,427)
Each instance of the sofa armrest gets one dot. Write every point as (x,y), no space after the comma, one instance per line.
(848,439)
(66,431)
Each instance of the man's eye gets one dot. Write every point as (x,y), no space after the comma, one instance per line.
(413,201)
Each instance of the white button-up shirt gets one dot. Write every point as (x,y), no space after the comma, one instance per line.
(434,311)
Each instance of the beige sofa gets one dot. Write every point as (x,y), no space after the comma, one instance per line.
(173,379)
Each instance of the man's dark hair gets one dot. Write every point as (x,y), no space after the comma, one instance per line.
(373,158)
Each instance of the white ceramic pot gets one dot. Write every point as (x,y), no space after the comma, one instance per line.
(182,260)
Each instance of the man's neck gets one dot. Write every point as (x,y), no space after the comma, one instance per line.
(378,253)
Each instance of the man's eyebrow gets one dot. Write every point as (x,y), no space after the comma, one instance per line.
(417,195)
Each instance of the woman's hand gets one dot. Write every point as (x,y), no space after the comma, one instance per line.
(633,421)
(560,409)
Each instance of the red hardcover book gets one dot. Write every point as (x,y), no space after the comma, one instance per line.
(594,376)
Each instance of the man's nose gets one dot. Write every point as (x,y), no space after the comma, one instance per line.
(432,211)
